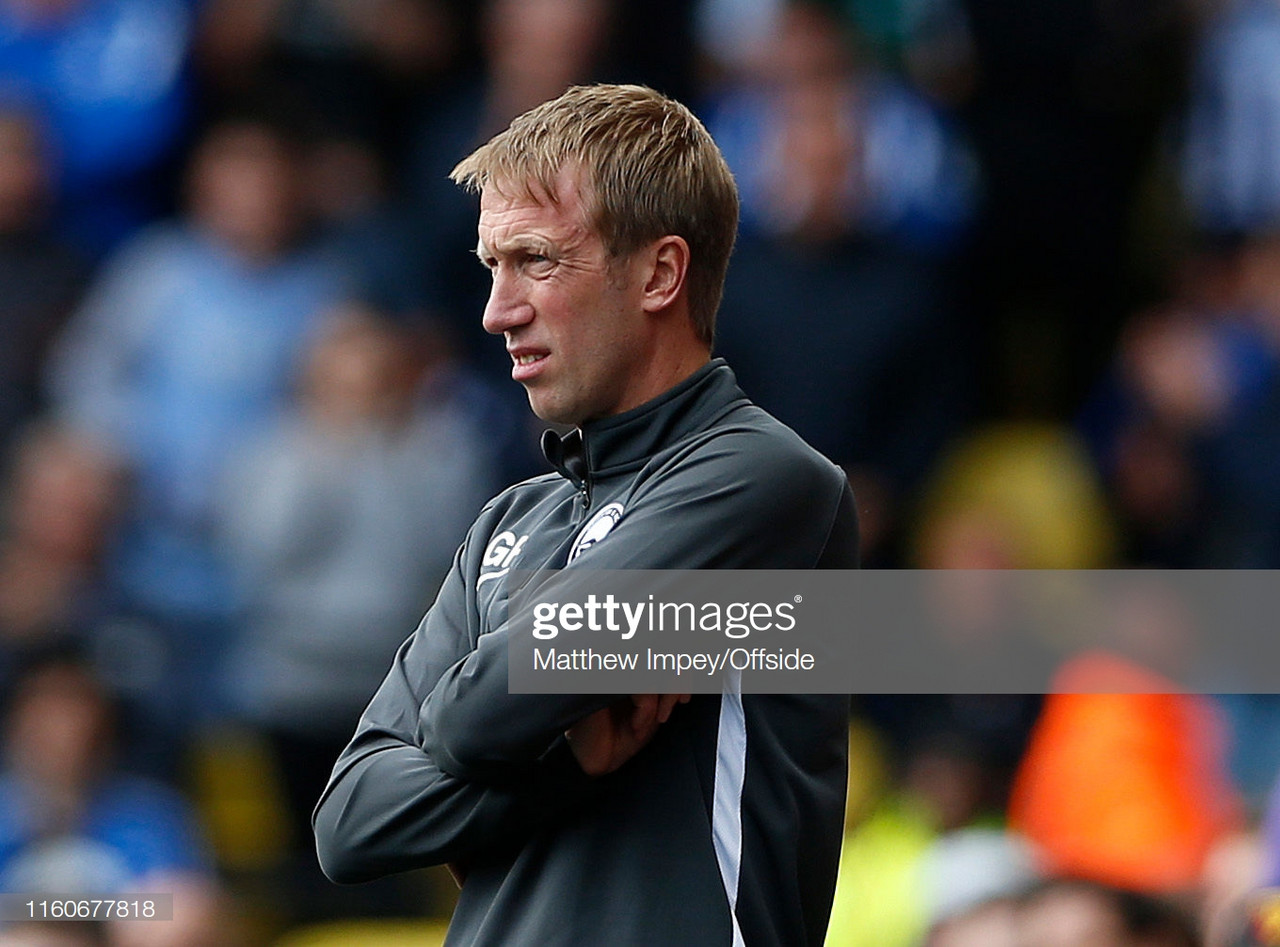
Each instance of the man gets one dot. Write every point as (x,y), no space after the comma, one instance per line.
(607,217)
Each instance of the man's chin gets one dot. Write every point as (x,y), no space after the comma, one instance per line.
(551,412)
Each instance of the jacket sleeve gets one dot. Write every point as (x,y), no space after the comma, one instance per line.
(735,503)
(390,806)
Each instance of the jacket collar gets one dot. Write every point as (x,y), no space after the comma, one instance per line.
(625,441)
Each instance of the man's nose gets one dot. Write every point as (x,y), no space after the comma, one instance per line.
(507,308)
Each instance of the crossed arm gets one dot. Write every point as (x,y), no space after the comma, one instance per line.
(447,765)
(399,799)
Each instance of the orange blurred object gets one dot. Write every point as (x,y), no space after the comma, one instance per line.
(1124,782)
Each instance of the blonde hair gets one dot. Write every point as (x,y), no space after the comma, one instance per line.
(651,169)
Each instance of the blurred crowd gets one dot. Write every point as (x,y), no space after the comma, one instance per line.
(1015,267)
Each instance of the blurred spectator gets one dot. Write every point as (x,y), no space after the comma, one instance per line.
(1187,423)
(878,900)
(734,36)
(70,823)
(54,934)
(1231,156)
(190,339)
(40,277)
(1069,914)
(1125,780)
(926,852)
(344,516)
(1014,496)
(1197,384)
(1072,914)
(533,50)
(359,65)
(1172,376)
(109,76)
(1239,445)
(822,147)
(61,501)
(1271,839)
(1254,726)
(349,188)
(1231,894)
(973,865)
(993,923)
(834,317)
(927,40)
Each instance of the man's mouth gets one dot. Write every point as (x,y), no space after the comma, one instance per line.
(527,364)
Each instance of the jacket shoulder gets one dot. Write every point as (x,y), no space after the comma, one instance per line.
(757,445)
(522,495)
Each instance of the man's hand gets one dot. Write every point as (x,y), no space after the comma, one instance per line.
(608,738)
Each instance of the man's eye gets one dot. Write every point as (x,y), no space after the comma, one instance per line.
(537,264)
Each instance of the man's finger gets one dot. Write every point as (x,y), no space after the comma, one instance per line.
(667,703)
(644,714)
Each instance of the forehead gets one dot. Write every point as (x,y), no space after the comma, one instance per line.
(505,204)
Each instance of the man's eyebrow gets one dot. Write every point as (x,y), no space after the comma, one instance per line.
(522,244)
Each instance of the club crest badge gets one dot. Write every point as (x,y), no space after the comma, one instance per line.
(597,528)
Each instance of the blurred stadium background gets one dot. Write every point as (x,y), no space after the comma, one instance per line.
(1015,266)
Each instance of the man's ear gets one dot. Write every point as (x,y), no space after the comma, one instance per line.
(668,259)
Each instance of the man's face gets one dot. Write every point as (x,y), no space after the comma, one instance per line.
(574,325)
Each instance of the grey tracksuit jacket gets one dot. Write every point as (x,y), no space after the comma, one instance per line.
(726,828)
